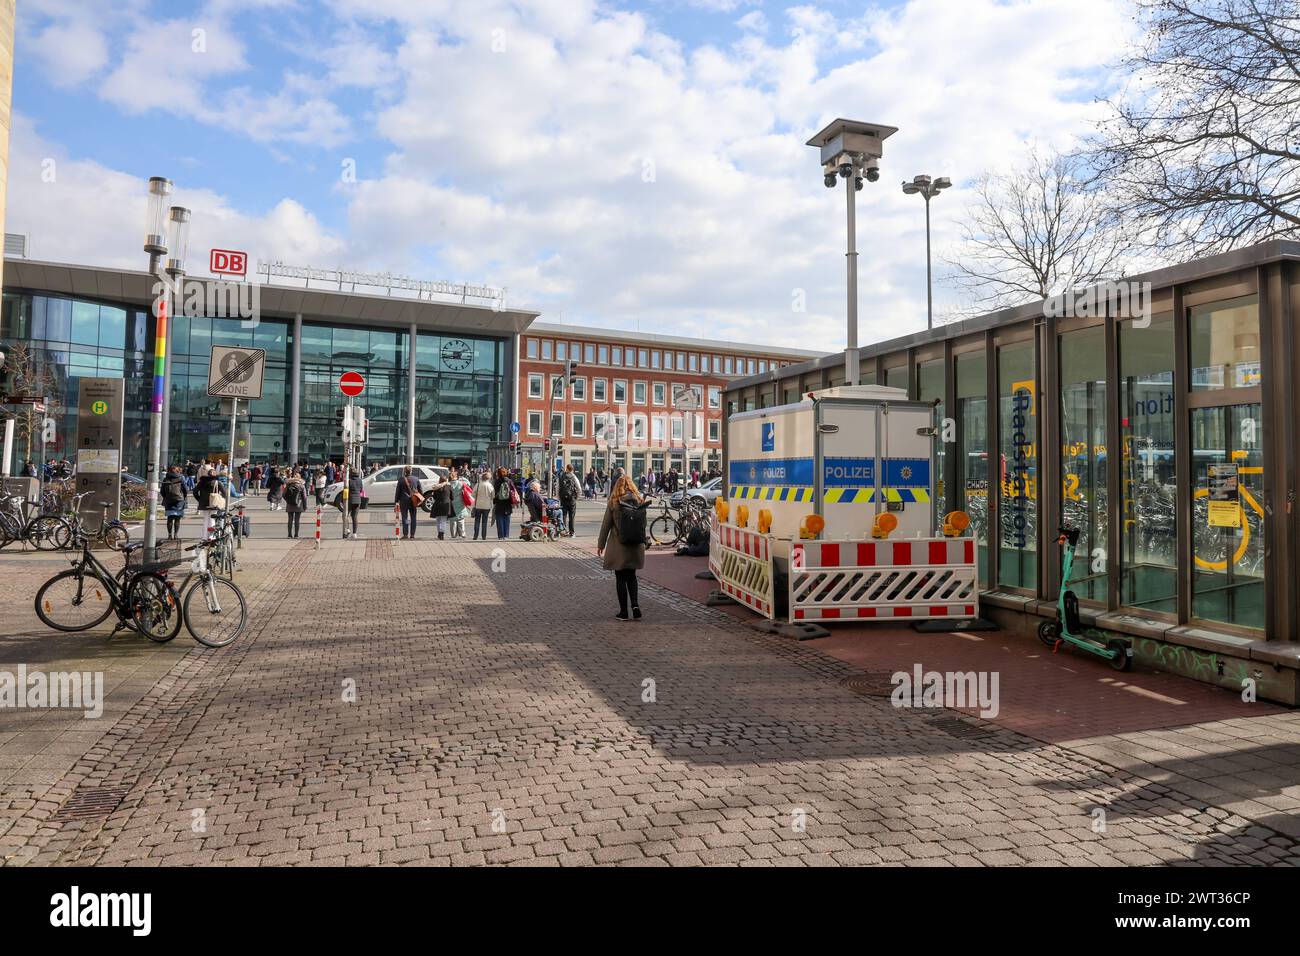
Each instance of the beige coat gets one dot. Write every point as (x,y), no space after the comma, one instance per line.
(618,556)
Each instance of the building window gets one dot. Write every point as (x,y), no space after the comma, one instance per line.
(546,350)
(695,362)
(1083,456)
(604,355)
(617,356)
(589,353)
(661,394)
(579,390)
(534,423)
(599,388)
(677,428)
(534,384)
(1018,420)
(668,360)
(715,396)
(557,424)
(638,428)
(730,366)
(1148,539)
(762,365)
(715,429)
(1224,345)
(638,393)
(654,359)
(643,358)
(931,386)
(561,351)
(657,428)
(972,417)
(532,348)
(620,392)
(578,426)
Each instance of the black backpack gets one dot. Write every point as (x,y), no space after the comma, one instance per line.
(630,522)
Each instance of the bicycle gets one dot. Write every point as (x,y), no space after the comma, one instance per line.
(673,522)
(46,532)
(112,532)
(222,534)
(85,595)
(223,613)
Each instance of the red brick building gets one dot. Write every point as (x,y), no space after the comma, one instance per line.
(642,401)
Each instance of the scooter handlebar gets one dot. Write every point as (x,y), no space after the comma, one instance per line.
(1067,535)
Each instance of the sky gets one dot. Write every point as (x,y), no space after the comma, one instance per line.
(639,166)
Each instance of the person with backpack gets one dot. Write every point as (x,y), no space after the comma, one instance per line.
(504,500)
(295,502)
(173,499)
(570,489)
(621,544)
(274,488)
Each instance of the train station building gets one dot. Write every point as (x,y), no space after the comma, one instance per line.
(1159,416)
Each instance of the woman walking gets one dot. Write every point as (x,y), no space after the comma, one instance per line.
(274,488)
(440,505)
(173,498)
(459,509)
(295,502)
(407,486)
(503,502)
(624,559)
(483,492)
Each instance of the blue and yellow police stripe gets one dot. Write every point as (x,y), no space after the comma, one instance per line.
(830,496)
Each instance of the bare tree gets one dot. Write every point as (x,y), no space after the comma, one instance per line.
(28,376)
(1201,153)
(1034,231)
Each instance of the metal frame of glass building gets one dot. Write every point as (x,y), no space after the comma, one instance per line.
(81,321)
(1123,419)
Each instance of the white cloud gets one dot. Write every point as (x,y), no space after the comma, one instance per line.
(92,214)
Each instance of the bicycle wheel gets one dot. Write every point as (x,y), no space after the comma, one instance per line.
(10,529)
(73,601)
(663,530)
(220,614)
(152,607)
(50,533)
(117,537)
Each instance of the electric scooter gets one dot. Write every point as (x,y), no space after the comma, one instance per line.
(1067,628)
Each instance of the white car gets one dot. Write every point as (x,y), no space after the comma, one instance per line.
(710,491)
(381,487)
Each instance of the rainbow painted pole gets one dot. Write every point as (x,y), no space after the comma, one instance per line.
(153,466)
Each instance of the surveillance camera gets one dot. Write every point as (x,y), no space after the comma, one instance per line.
(846,170)
(857,184)
(873,169)
(829,180)
(873,175)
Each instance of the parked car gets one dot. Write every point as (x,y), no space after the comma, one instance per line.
(710,491)
(381,487)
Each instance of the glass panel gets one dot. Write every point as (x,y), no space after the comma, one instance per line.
(85,323)
(112,327)
(1018,511)
(1083,456)
(58,319)
(1228,533)
(1224,343)
(930,389)
(972,414)
(1148,535)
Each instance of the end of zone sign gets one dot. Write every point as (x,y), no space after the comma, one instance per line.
(236,372)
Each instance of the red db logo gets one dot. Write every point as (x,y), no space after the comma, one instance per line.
(228,262)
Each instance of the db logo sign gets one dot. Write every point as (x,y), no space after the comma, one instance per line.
(228,262)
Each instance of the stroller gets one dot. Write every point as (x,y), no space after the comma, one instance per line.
(548,530)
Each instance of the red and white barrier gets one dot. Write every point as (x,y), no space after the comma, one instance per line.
(741,560)
(397,522)
(318,527)
(916,578)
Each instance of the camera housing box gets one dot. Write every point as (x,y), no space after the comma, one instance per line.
(843,140)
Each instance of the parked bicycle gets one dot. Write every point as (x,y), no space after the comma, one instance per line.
(45,532)
(673,523)
(112,532)
(141,597)
(213,607)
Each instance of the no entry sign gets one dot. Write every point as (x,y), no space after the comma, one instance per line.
(352,383)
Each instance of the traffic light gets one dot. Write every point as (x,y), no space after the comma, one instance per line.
(360,425)
(343,424)
(546,444)
(572,370)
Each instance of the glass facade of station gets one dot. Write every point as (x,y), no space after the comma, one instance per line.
(1120,427)
(461,381)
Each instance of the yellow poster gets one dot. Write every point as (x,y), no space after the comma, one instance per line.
(1225,514)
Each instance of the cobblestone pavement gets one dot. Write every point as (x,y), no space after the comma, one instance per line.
(501,715)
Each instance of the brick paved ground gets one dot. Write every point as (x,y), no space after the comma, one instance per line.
(503,716)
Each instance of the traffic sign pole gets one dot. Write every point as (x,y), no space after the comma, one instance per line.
(230,462)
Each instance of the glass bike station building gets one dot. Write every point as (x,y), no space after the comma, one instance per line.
(456,361)
(1170,438)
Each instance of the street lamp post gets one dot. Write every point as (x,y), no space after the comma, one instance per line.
(851,150)
(927,189)
(176,221)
